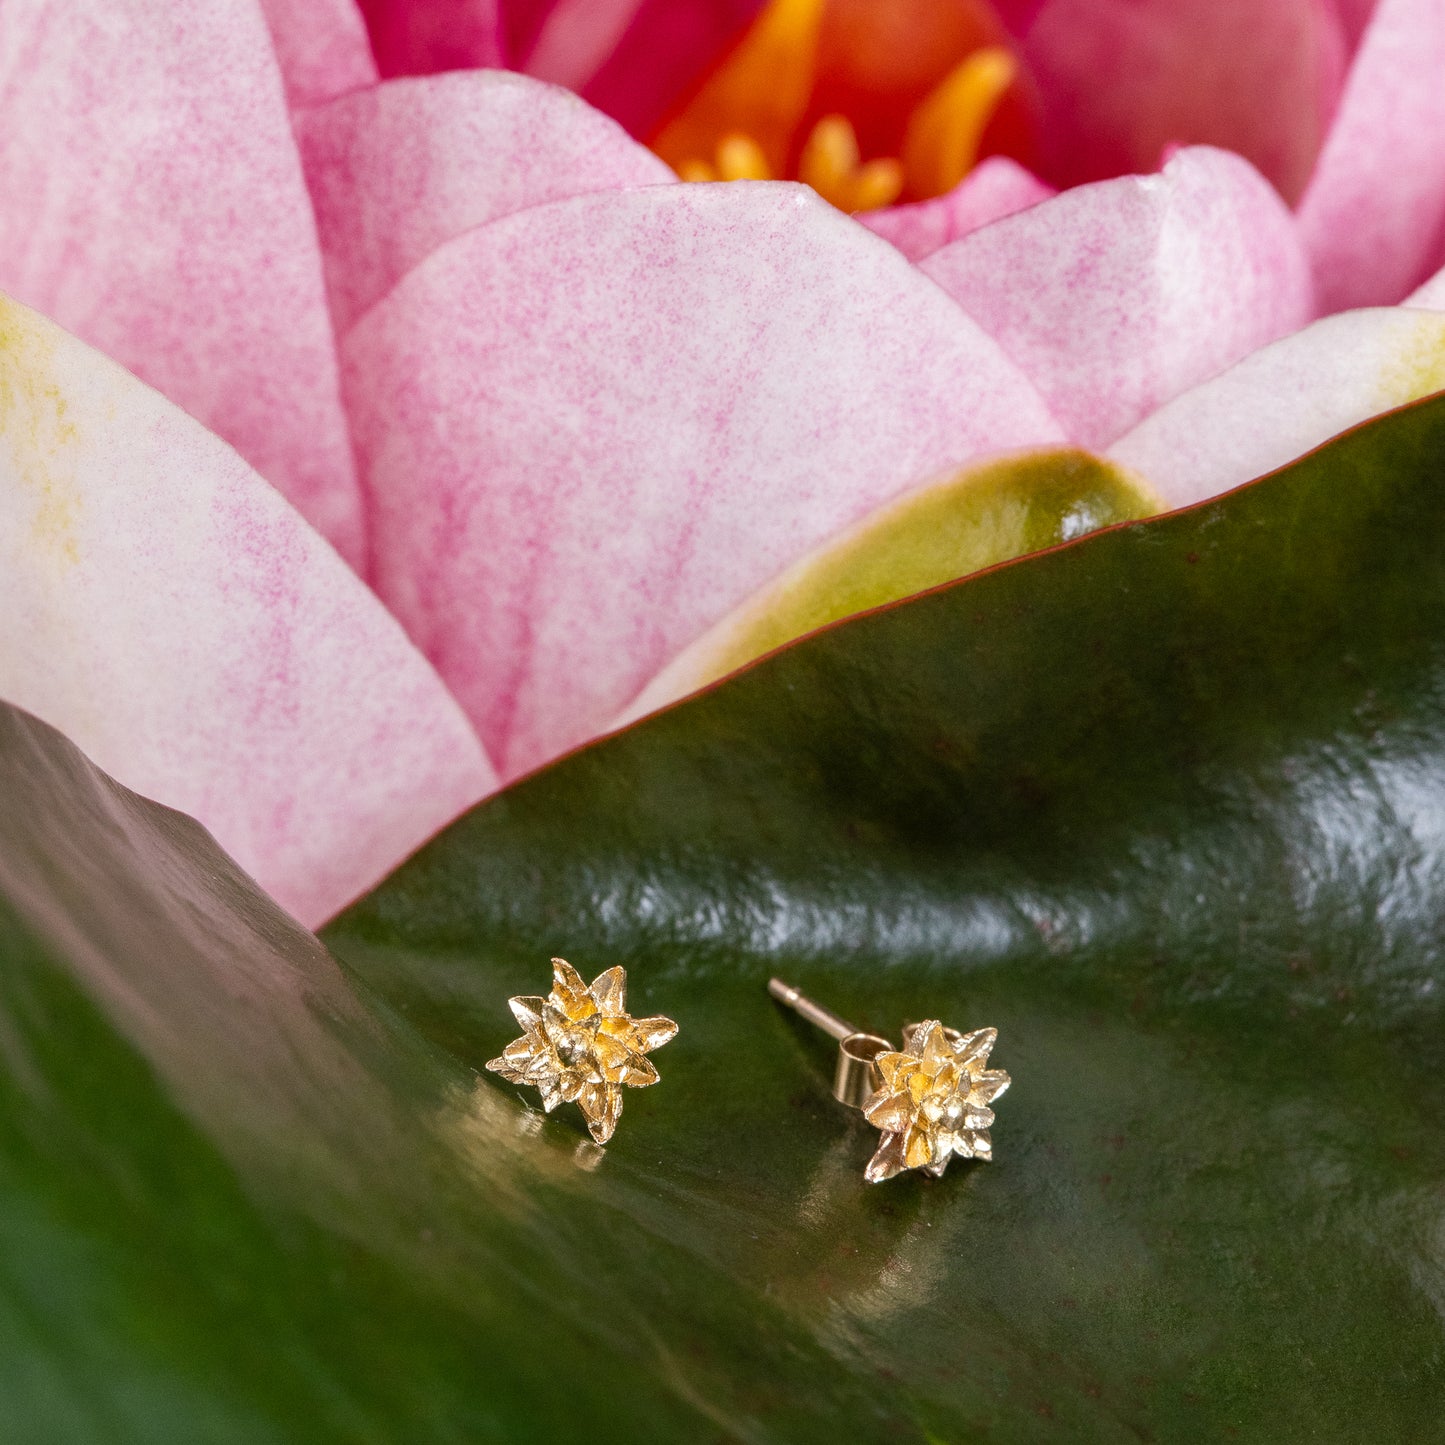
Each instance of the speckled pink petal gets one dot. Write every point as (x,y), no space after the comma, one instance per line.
(421,37)
(154,205)
(591,429)
(1123,80)
(667,48)
(1116,296)
(1287,399)
(398,169)
(997,188)
(322,48)
(1372,217)
(166,608)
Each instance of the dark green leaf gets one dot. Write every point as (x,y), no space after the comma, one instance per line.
(1168,808)
(1165,807)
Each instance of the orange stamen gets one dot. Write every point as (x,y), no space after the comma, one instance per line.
(741,158)
(941,144)
(829,163)
(760,91)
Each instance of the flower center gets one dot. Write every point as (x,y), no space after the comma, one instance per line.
(866,101)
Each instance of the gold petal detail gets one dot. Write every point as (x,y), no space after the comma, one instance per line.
(637,1072)
(580,1045)
(934,1101)
(565,977)
(888,1160)
(603,1109)
(609,989)
(931,1044)
(652,1033)
(976,1046)
(611,1056)
(527,1010)
(889,1112)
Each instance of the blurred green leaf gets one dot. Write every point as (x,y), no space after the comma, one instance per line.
(1166,806)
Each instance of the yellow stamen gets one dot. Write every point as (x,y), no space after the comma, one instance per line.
(944,132)
(879,183)
(761,90)
(696,170)
(741,158)
(829,163)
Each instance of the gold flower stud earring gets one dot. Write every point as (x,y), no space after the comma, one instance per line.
(930,1098)
(580,1045)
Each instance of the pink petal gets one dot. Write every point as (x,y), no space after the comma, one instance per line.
(1123,80)
(593,428)
(1117,296)
(168,610)
(1373,215)
(521,22)
(421,37)
(1355,16)
(1431,295)
(669,45)
(166,221)
(577,38)
(399,169)
(996,188)
(1286,400)
(322,48)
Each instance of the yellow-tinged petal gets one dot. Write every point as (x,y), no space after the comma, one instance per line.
(943,136)
(760,91)
(983,515)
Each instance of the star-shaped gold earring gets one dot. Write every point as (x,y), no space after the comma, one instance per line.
(934,1101)
(930,1098)
(580,1044)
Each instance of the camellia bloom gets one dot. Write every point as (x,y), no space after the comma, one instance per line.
(367,443)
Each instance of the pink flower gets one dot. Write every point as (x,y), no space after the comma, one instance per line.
(564,419)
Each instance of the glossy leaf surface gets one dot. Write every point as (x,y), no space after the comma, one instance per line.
(1167,807)
(1163,806)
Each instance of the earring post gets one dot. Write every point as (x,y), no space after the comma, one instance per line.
(815,1013)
